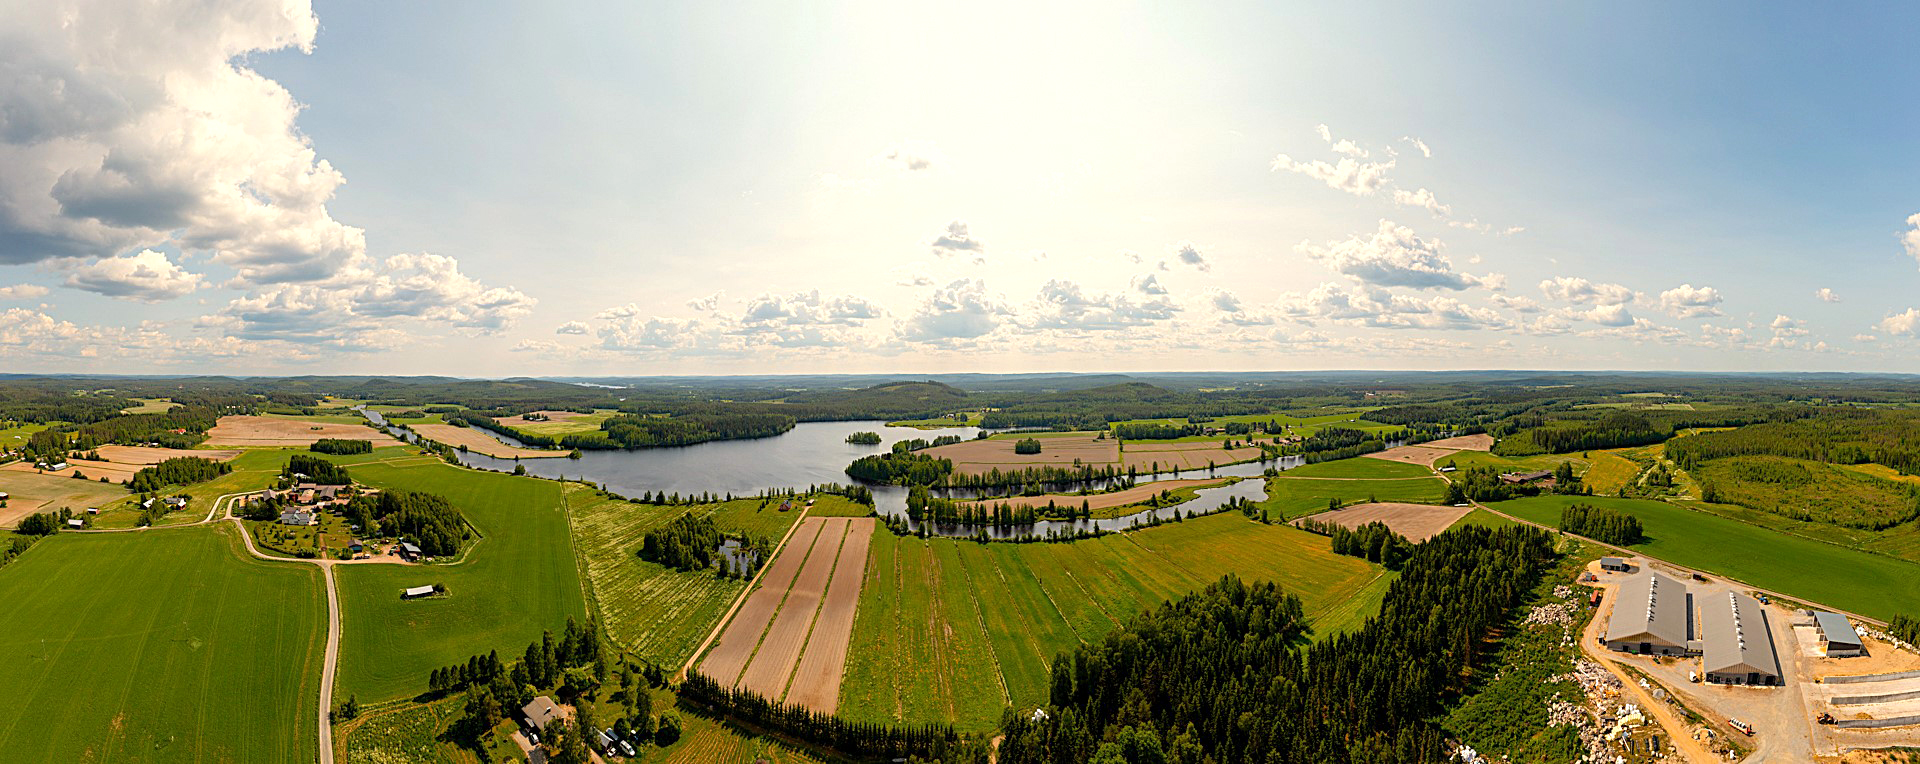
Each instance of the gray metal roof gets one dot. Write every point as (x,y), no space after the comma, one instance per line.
(1612,561)
(1650,607)
(1835,628)
(1737,638)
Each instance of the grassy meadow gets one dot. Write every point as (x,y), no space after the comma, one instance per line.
(1850,579)
(1290,497)
(954,630)
(160,646)
(1808,490)
(1359,467)
(518,581)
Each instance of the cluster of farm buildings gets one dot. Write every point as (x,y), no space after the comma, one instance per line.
(306,502)
(1655,614)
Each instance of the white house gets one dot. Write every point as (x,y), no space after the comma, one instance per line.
(299,517)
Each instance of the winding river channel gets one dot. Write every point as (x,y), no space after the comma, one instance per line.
(816,453)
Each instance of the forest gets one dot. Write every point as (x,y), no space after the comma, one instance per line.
(1831,435)
(184,470)
(691,543)
(341,447)
(1374,542)
(1228,673)
(429,519)
(313,469)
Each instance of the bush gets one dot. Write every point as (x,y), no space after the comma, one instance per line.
(1027,446)
(864,438)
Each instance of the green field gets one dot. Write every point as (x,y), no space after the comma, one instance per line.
(1849,579)
(515,583)
(159,646)
(1807,490)
(559,427)
(954,630)
(150,406)
(1359,467)
(1482,517)
(15,436)
(1290,497)
(972,420)
(1466,459)
(658,613)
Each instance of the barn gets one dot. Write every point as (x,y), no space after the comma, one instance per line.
(1837,633)
(1652,615)
(1739,644)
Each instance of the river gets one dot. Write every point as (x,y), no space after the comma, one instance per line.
(816,453)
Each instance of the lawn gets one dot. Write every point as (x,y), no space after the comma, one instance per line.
(658,613)
(16,435)
(1849,579)
(159,646)
(1359,467)
(955,630)
(331,535)
(1290,497)
(518,581)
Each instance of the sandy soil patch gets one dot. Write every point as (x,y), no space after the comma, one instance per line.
(1134,495)
(1422,455)
(730,654)
(551,416)
(479,442)
(779,652)
(1417,522)
(1881,658)
(1475,442)
(1146,456)
(144,455)
(30,491)
(114,471)
(978,457)
(260,431)
(817,683)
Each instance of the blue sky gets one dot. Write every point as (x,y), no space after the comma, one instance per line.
(495,188)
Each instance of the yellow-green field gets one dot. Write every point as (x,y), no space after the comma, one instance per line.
(954,631)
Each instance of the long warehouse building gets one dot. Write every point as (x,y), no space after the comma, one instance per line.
(1739,644)
(1652,615)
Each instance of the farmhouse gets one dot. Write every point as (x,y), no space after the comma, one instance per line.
(1517,478)
(299,517)
(1739,647)
(537,713)
(416,592)
(1652,615)
(1838,635)
(1615,564)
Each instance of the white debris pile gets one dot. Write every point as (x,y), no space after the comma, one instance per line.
(1563,714)
(1562,591)
(1557,614)
(1594,679)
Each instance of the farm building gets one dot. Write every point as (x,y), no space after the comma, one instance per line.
(1517,478)
(4,496)
(1652,615)
(299,517)
(1739,646)
(408,551)
(76,523)
(536,714)
(1838,635)
(1616,564)
(416,592)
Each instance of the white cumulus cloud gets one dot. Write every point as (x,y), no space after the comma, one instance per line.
(1825,294)
(1689,301)
(1394,256)
(1581,291)
(22,292)
(147,276)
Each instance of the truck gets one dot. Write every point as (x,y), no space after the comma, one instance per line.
(1745,728)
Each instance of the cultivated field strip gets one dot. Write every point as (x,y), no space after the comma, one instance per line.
(939,635)
(779,651)
(816,684)
(742,635)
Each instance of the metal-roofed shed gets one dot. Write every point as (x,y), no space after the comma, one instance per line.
(1652,615)
(1838,634)
(1738,641)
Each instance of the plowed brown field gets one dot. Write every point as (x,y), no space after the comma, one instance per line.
(269,432)
(1417,522)
(978,457)
(779,652)
(742,634)
(817,684)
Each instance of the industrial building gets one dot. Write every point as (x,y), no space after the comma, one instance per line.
(1615,564)
(1652,615)
(1838,635)
(1738,644)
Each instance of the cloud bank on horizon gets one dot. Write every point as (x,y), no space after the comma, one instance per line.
(174,197)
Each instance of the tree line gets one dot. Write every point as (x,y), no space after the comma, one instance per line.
(315,470)
(1374,542)
(1227,675)
(183,470)
(1601,524)
(341,446)
(429,519)
(859,739)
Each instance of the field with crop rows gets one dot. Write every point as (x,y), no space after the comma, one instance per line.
(954,630)
(159,646)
